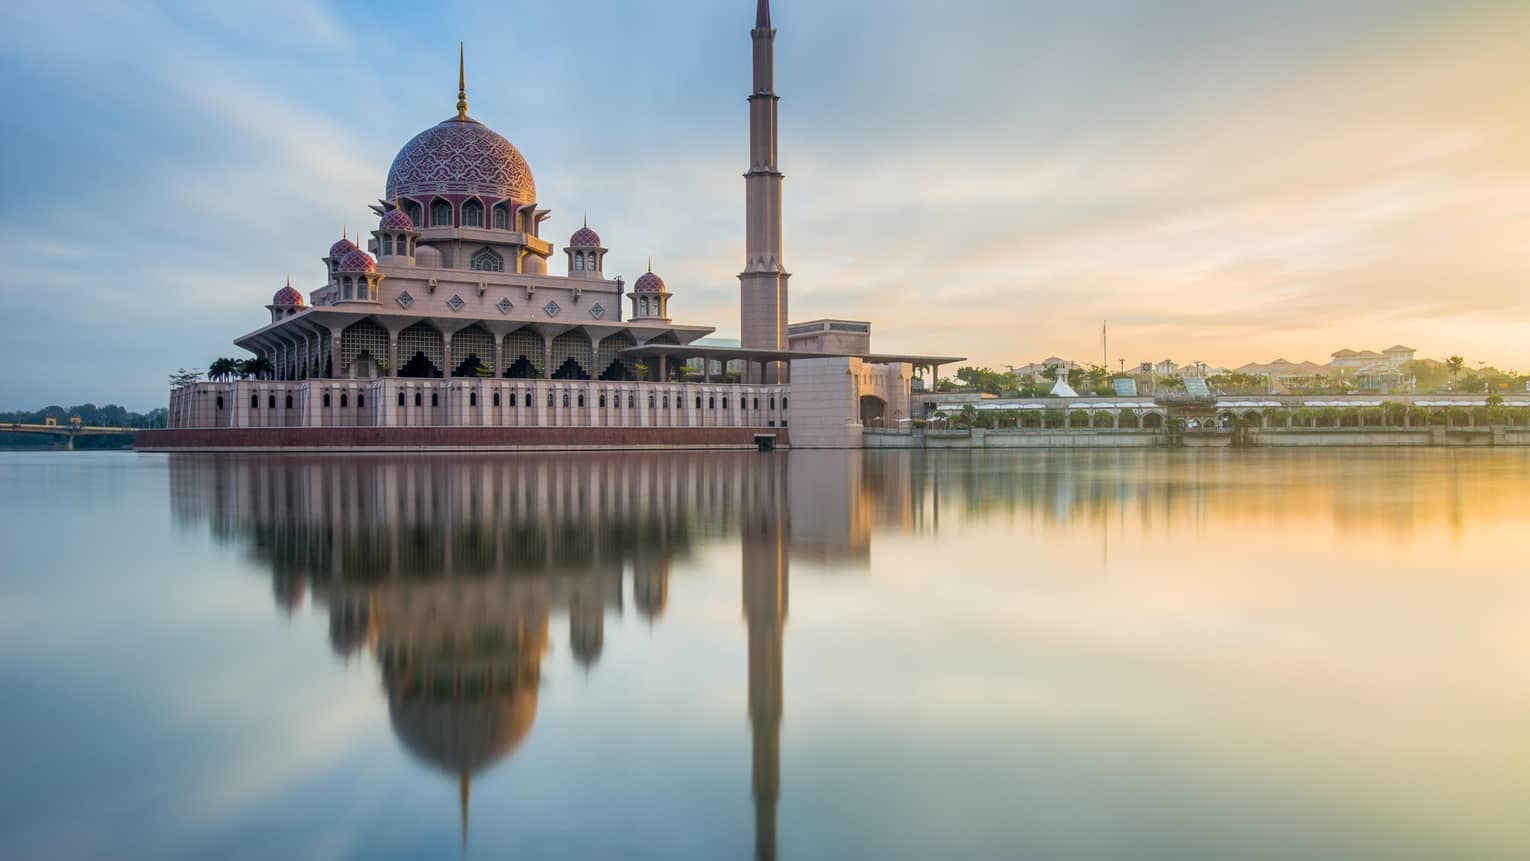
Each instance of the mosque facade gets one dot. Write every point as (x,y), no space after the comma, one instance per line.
(445,315)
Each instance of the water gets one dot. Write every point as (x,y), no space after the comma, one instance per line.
(817,655)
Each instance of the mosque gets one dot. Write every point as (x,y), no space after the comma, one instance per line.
(444,326)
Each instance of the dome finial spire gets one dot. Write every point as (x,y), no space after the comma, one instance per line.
(650,264)
(461,83)
(289,279)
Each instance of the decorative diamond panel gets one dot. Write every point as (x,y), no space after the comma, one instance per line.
(405,300)
(597,312)
(552,309)
(455,303)
(505,306)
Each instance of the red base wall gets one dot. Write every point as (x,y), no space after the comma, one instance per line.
(464,438)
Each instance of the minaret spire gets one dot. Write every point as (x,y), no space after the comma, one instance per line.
(461,83)
(762,285)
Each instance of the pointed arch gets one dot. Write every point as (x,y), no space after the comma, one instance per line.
(572,356)
(472,212)
(421,349)
(523,355)
(487,260)
(474,347)
(440,212)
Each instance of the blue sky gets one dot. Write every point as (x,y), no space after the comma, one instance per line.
(1225,182)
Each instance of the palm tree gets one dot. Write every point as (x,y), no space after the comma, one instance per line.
(223,369)
(1455,364)
(258,368)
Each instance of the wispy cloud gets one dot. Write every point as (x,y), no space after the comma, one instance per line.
(1222,184)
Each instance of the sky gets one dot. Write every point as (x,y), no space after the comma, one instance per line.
(1223,182)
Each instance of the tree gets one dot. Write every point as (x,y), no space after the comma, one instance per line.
(183,377)
(1455,364)
(223,369)
(1127,418)
(1307,417)
(257,368)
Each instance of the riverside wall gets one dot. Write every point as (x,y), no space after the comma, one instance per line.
(416,439)
(1269,438)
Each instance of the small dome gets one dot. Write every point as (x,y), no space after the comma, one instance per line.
(288,297)
(649,283)
(427,257)
(584,237)
(341,248)
(357,260)
(395,219)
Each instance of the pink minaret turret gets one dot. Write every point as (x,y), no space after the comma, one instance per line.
(762,300)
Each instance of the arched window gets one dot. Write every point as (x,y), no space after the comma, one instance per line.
(220,402)
(501,218)
(412,209)
(361,401)
(326,400)
(417,400)
(388,244)
(581,400)
(593,263)
(435,399)
(496,399)
(400,397)
(289,402)
(345,400)
(270,402)
(643,304)
(440,214)
(334,266)
(488,260)
(472,399)
(527,399)
(565,400)
(472,214)
(254,402)
(602,400)
(345,288)
(578,261)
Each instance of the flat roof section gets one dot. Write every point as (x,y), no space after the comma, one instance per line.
(728,354)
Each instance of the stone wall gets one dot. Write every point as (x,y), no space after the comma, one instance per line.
(451,439)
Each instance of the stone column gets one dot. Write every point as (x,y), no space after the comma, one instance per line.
(335,368)
(547,368)
(446,356)
(393,352)
(499,357)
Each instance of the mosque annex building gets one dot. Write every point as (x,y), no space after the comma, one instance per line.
(444,328)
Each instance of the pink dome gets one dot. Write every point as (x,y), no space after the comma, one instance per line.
(341,248)
(584,237)
(649,283)
(461,157)
(288,297)
(395,219)
(357,260)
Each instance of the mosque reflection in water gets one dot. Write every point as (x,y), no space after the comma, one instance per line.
(449,571)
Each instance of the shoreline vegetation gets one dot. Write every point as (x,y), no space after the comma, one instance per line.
(91,415)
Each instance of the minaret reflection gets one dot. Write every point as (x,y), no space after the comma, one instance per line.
(765,536)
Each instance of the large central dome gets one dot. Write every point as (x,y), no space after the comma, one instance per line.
(461,156)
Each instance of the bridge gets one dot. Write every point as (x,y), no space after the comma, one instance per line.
(65,434)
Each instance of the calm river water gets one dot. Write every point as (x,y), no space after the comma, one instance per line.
(1262,655)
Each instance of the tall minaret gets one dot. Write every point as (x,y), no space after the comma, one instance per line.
(762,299)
